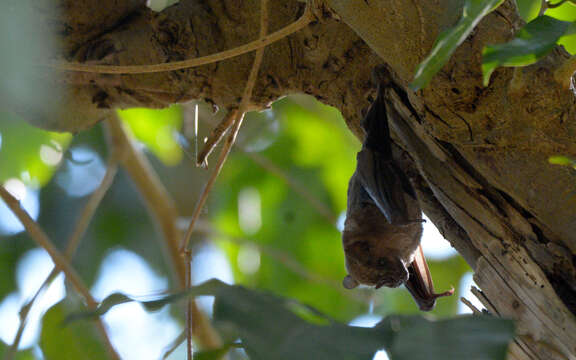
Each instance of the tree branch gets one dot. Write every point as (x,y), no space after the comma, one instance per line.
(164,213)
(73,242)
(60,261)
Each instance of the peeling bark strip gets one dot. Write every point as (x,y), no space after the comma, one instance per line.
(481,152)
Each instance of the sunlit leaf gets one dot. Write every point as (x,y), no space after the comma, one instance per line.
(532,42)
(528,9)
(449,40)
(564,12)
(72,341)
(569,43)
(157,129)
(28,153)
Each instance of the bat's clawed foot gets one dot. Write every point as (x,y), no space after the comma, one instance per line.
(445,293)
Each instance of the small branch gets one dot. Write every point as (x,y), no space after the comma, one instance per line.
(163,211)
(471,306)
(60,261)
(40,237)
(215,136)
(73,242)
(235,128)
(257,45)
(189,307)
(155,195)
(175,344)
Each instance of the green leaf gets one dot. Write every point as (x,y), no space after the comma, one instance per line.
(73,341)
(271,327)
(270,330)
(449,40)
(532,42)
(565,12)
(465,337)
(157,130)
(109,302)
(529,9)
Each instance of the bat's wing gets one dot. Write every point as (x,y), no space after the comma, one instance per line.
(377,171)
(387,186)
(420,283)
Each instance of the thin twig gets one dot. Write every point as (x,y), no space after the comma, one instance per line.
(59,260)
(471,306)
(259,44)
(174,345)
(38,235)
(234,131)
(163,211)
(73,242)
(189,309)
(215,136)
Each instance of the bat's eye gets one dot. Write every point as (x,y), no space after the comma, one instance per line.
(382,262)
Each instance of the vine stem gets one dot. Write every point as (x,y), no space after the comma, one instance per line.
(235,127)
(259,44)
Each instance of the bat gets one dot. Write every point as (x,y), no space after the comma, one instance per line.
(383,226)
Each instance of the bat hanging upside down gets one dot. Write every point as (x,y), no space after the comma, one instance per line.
(383,225)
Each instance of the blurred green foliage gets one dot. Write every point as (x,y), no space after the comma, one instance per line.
(77,340)
(300,248)
(20,355)
(156,129)
(28,153)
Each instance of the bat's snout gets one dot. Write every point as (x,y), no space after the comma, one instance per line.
(392,280)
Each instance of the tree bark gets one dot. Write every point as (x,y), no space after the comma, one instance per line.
(479,154)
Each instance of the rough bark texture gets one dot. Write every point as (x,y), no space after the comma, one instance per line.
(479,154)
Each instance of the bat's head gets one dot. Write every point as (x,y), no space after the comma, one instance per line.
(373,265)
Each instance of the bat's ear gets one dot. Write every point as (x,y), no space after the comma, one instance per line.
(349,282)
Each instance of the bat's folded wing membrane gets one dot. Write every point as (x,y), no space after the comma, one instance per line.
(385,183)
